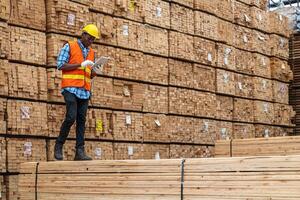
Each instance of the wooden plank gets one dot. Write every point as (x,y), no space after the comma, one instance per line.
(273,146)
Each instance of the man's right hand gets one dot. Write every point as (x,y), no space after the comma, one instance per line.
(87,63)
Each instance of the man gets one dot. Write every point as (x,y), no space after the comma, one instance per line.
(75,60)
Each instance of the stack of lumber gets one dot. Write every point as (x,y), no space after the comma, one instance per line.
(2,155)
(2,188)
(27,81)
(212,178)
(27,118)
(21,150)
(30,49)
(27,14)
(295,86)
(183,74)
(289,145)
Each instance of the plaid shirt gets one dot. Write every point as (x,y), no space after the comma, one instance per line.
(64,57)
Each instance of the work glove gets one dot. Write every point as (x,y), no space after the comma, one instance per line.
(87,63)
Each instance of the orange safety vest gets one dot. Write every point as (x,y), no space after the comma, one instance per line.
(80,77)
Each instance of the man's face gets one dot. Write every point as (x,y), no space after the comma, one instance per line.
(87,39)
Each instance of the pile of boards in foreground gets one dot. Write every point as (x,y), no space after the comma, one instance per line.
(269,177)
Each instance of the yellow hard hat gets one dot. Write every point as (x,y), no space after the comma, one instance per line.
(92,30)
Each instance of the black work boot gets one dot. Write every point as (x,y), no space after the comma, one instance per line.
(58,151)
(80,154)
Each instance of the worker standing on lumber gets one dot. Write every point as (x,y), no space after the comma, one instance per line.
(75,60)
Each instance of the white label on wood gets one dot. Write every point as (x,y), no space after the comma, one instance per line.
(247,19)
(27,148)
(282,42)
(158,11)
(240,85)
(266,133)
(71,19)
(260,17)
(126,91)
(209,57)
(263,61)
(282,66)
(227,51)
(130,150)
(264,84)
(226,78)
(205,126)
(245,38)
(261,38)
(98,152)
(25,112)
(157,122)
(128,119)
(280,17)
(157,156)
(226,60)
(125,30)
(282,88)
(224,133)
(266,107)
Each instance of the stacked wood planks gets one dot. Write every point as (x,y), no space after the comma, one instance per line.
(294,89)
(289,145)
(2,188)
(183,75)
(210,178)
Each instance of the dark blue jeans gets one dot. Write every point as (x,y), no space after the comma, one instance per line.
(76,111)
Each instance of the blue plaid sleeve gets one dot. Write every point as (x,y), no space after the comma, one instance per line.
(64,56)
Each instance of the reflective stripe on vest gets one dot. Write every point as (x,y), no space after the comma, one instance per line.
(80,77)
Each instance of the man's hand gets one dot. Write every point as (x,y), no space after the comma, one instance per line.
(87,63)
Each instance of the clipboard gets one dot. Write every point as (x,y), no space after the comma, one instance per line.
(99,63)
